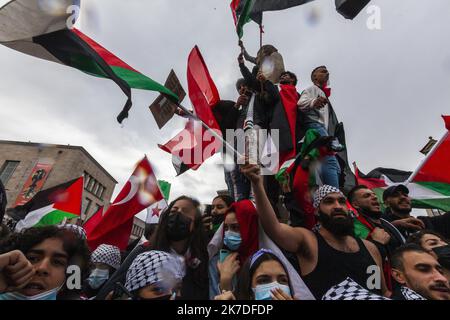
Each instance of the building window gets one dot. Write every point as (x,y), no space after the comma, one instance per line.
(85,207)
(100,191)
(93,186)
(95,189)
(87,178)
(7,170)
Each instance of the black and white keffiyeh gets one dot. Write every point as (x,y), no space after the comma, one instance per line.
(107,254)
(410,294)
(350,290)
(153,267)
(78,230)
(322,192)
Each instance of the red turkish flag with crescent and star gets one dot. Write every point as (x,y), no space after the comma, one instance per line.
(140,191)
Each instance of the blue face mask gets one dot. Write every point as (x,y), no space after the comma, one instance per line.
(97,278)
(263,291)
(48,295)
(232,240)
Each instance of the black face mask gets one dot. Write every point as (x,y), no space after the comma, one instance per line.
(338,227)
(443,254)
(178,227)
(217,219)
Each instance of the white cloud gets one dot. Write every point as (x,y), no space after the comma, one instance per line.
(389,86)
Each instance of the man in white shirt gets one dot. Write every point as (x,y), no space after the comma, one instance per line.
(316,109)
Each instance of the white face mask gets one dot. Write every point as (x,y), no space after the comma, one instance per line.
(98,277)
(264,291)
(47,295)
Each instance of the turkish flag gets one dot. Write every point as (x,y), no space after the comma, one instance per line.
(93,221)
(139,192)
(194,144)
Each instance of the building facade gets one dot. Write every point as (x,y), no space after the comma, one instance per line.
(138,229)
(26,168)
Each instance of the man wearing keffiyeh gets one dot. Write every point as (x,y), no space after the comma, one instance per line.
(106,260)
(331,254)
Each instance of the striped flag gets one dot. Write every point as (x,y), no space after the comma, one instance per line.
(429,185)
(26,26)
(63,203)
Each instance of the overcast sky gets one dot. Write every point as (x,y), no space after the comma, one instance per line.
(390,86)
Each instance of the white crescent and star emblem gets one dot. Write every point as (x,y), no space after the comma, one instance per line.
(135,182)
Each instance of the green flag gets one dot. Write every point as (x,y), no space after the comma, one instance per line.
(164,186)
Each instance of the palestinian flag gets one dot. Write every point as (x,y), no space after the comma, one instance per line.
(28,28)
(246,10)
(64,202)
(429,185)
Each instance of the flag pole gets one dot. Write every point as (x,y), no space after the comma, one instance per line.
(195,117)
(261,31)
(428,156)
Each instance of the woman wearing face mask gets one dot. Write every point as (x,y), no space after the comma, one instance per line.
(181,233)
(105,260)
(436,245)
(263,277)
(219,207)
(237,239)
(154,275)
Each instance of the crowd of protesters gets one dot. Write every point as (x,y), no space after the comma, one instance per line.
(269,239)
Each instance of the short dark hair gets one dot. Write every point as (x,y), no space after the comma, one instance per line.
(351,193)
(292,75)
(397,256)
(416,238)
(314,71)
(244,284)
(225,198)
(75,247)
(241,82)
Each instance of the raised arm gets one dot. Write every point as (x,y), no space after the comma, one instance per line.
(287,237)
(250,79)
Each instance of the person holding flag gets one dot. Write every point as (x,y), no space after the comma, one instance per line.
(318,114)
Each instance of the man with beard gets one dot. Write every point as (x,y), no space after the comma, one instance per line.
(330,255)
(419,274)
(398,212)
(369,224)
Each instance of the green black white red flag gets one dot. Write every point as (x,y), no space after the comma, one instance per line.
(26,26)
(429,185)
(51,207)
